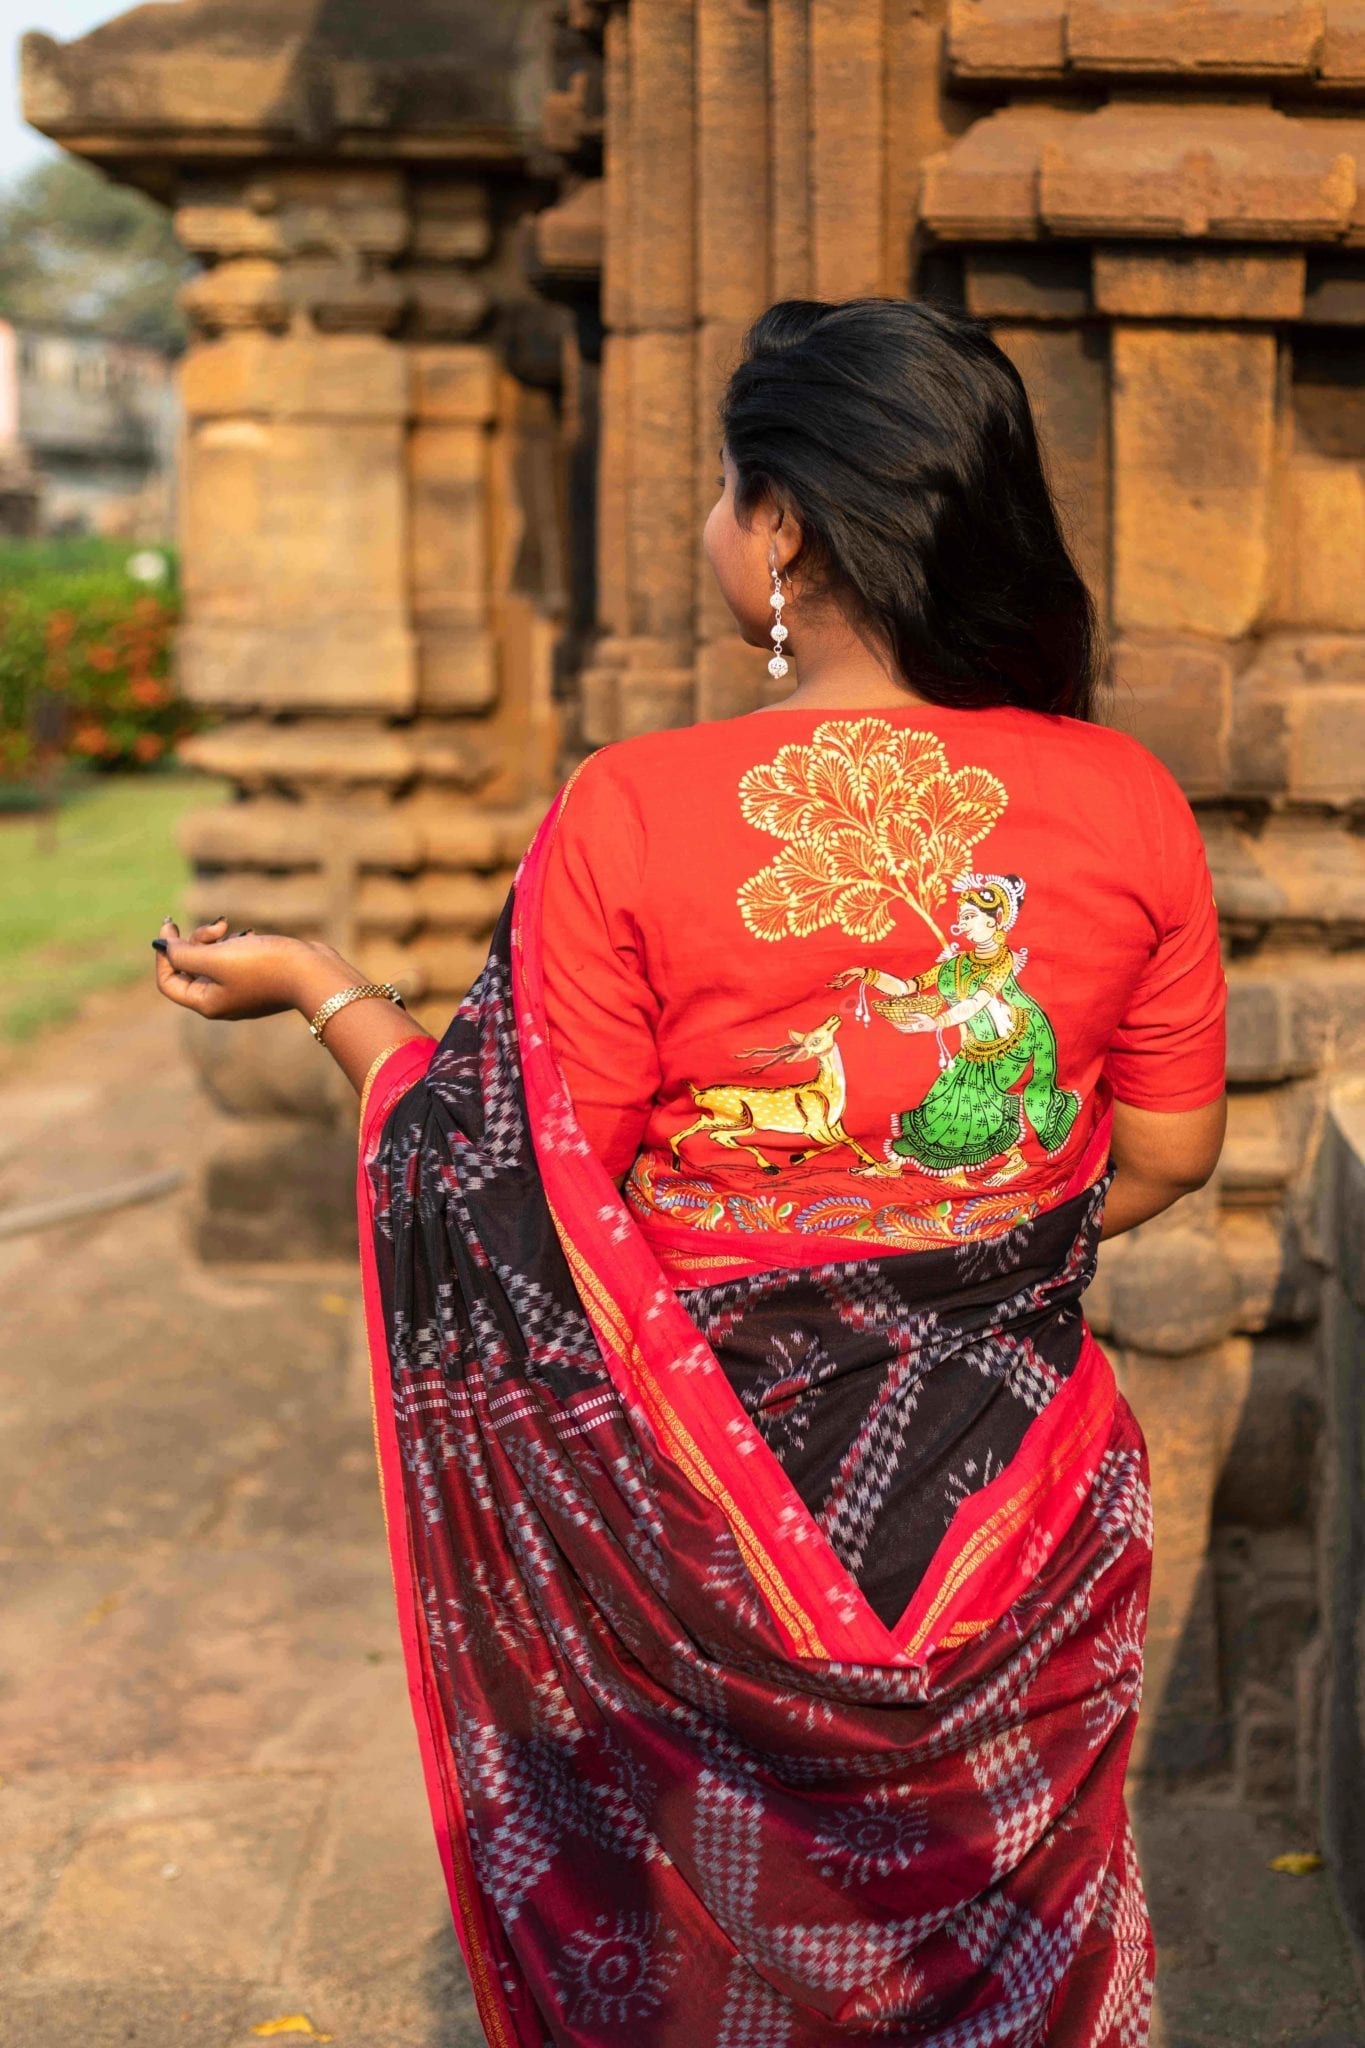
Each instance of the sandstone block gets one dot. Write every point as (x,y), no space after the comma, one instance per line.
(1262,1046)
(449,962)
(662,490)
(919,122)
(1187,1409)
(568,237)
(984,186)
(732,160)
(463,903)
(1277,1287)
(789,245)
(457,667)
(349,664)
(1176,697)
(447,304)
(258,753)
(1300,878)
(1268,1138)
(271,1073)
(1267,1479)
(1342,58)
(1237,173)
(448,469)
(1298,721)
(1239,38)
(296,375)
(617,299)
(451,223)
(846,149)
(1322,543)
(275,835)
(1194,421)
(661,163)
(731,678)
(1200,284)
(1334,290)
(243,291)
(613,485)
(1028,283)
(222,227)
(456,835)
(1007,38)
(651,700)
(719,349)
(1170,1294)
(453,383)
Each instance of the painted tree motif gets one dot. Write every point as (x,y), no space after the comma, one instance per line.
(873,816)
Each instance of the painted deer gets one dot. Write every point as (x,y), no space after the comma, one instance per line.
(733,1113)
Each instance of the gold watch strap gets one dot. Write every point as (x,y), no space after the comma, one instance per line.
(326,1011)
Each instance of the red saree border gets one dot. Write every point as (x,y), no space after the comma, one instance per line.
(661,1364)
(389,1079)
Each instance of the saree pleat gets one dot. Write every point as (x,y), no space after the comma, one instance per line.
(699,1777)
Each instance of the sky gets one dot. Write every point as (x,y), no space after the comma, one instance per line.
(19,145)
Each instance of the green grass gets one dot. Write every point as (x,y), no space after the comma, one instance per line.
(81,896)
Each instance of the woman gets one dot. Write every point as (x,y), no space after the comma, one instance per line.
(974,1111)
(772,1545)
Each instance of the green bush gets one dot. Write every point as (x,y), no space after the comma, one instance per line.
(85,658)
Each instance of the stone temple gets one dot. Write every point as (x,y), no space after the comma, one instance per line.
(470,278)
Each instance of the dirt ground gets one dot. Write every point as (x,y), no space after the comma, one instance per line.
(211,1814)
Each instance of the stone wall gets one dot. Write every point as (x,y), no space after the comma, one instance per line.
(464,319)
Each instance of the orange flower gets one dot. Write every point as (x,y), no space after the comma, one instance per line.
(102,658)
(147,746)
(91,739)
(147,691)
(60,627)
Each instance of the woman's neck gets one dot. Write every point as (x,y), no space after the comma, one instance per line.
(837,671)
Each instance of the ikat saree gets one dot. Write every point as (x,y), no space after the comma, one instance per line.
(767,1699)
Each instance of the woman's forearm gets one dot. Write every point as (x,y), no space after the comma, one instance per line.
(1133,1198)
(358,1034)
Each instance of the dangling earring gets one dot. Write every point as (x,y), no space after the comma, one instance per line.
(777,667)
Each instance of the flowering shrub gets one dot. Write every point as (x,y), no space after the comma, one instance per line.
(85,659)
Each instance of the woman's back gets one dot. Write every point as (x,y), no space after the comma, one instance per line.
(870,974)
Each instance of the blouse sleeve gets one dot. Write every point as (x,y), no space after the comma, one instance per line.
(600,1009)
(1169,1052)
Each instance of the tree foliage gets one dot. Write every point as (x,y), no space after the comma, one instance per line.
(79,251)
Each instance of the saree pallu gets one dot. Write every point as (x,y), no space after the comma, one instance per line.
(714,1763)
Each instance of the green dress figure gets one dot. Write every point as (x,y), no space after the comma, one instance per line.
(976,1111)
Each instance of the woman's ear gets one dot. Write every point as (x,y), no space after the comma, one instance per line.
(782,531)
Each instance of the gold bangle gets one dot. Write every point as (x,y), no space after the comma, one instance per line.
(326,1011)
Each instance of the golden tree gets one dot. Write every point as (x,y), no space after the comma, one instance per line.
(873,816)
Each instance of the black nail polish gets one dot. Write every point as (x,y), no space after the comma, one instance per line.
(161,945)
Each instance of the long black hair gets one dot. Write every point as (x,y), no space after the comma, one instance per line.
(901,436)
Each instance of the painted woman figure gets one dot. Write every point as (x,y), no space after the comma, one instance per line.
(1005,1066)
(771,1539)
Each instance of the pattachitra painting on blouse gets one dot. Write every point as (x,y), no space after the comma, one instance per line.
(701,1770)
(873,978)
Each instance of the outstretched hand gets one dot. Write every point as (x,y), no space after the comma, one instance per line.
(257,974)
(235,975)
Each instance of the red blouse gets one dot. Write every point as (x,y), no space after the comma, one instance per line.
(873,974)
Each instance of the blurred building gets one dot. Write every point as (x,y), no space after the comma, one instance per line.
(472,279)
(87,434)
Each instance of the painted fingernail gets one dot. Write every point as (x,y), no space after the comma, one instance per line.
(161,945)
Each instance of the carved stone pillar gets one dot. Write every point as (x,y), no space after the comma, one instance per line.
(373,514)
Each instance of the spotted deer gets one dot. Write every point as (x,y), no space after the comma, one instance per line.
(734,1114)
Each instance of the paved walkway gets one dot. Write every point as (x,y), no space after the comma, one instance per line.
(211,1814)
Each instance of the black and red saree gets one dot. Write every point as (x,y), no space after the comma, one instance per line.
(774,1645)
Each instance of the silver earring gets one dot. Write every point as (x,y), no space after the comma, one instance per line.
(777,667)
